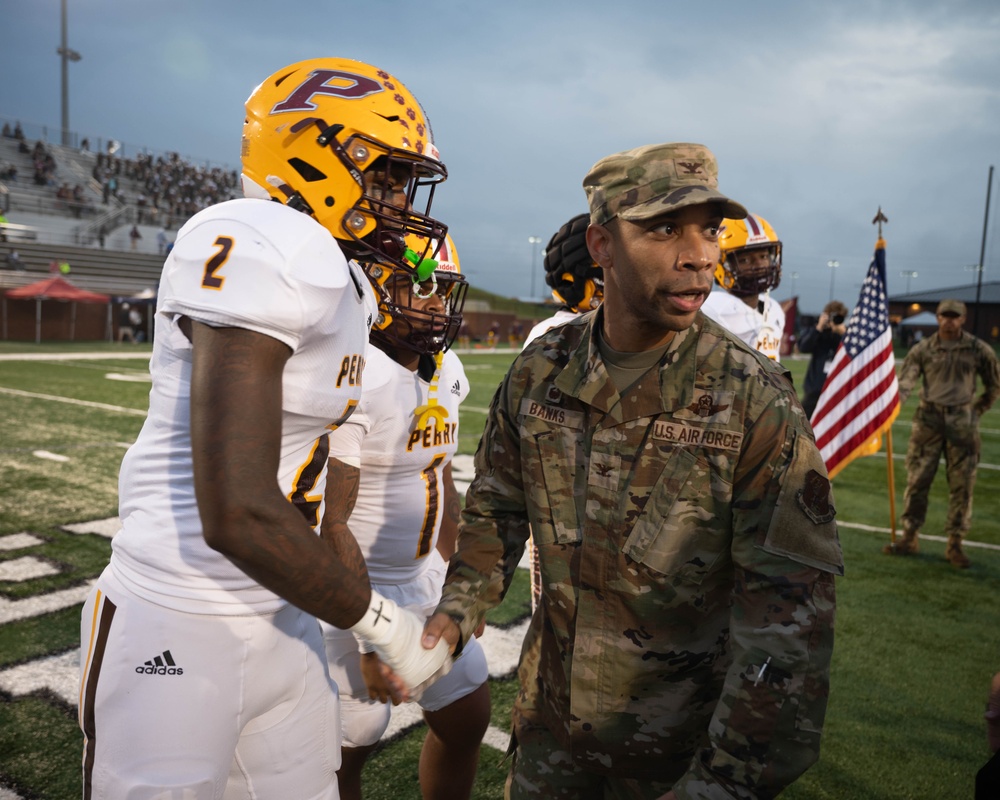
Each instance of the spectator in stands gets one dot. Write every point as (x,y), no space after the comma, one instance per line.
(135,319)
(18,132)
(64,267)
(110,188)
(79,201)
(161,241)
(125,330)
(85,145)
(3,227)
(8,171)
(14,261)
(7,132)
(134,235)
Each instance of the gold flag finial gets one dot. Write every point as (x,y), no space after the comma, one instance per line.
(879,219)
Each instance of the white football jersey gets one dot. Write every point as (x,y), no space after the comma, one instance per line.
(261,266)
(561,317)
(397,516)
(762,330)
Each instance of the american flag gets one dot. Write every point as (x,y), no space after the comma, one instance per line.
(860,398)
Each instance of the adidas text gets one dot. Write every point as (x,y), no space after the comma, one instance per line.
(159,670)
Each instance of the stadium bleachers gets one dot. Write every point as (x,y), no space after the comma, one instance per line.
(43,228)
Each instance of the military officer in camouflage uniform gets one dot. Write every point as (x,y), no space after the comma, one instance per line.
(946,421)
(682,514)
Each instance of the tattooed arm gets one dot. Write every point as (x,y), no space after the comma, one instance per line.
(448,535)
(342,483)
(235,440)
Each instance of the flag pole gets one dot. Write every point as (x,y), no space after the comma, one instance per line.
(892,487)
(890,467)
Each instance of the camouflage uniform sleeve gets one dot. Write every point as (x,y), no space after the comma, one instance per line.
(989,373)
(909,374)
(765,730)
(494,526)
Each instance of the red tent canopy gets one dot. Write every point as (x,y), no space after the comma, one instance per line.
(56,289)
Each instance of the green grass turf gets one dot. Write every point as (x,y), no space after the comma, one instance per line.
(917,641)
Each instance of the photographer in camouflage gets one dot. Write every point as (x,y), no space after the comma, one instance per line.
(945,423)
(682,515)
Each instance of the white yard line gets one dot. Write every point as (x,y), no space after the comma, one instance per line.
(135,412)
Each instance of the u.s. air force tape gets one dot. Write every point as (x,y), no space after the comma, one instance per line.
(695,435)
(666,431)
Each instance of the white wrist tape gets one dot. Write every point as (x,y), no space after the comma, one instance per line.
(395,634)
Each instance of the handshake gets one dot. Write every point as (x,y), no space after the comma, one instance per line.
(394,633)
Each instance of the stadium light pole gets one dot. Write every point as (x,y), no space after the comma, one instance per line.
(833,271)
(67,55)
(534,241)
(908,274)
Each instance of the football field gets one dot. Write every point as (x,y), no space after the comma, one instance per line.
(917,640)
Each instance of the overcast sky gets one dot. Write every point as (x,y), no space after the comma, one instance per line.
(819,113)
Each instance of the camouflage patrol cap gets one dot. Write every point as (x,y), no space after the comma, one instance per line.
(949,307)
(655,179)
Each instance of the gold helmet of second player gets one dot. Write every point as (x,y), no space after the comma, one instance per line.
(420,311)
(750,260)
(348,144)
(576,281)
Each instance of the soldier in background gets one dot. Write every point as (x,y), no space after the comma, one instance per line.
(946,422)
(681,512)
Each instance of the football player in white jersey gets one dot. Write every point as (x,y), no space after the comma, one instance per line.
(395,452)
(203,672)
(750,267)
(577,282)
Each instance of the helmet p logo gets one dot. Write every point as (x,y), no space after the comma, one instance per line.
(333,83)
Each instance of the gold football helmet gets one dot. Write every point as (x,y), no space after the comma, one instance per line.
(348,144)
(750,260)
(420,310)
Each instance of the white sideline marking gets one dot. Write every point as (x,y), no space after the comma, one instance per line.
(24,569)
(17,541)
(102,527)
(135,377)
(60,674)
(71,356)
(930,537)
(49,456)
(12,610)
(73,402)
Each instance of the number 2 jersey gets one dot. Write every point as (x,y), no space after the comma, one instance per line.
(261,266)
(397,516)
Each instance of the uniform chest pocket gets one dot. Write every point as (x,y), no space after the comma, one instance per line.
(679,532)
(552,481)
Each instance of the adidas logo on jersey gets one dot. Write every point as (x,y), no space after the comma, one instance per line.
(456,388)
(161,665)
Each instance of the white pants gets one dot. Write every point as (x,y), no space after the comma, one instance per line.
(365,720)
(199,707)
